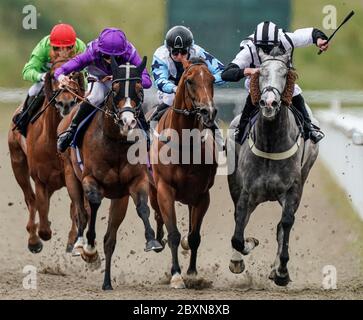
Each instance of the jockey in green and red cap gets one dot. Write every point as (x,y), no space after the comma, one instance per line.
(62,41)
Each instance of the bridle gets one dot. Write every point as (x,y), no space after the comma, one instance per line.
(195,110)
(272,89)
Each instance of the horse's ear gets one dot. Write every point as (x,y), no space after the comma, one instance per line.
(114,66)
(287,55)
(262,55)
(186,63)
(142,66)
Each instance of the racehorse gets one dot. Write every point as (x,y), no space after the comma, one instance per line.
(36,156)
(272,163)
(106,170)
(193,109)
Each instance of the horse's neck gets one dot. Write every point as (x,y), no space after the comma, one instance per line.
(108,126)
(279,133)
(51,117)
(179,121)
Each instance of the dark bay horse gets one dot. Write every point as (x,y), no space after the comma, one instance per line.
(272,164)
(107,171)
(189,183)
(36,157)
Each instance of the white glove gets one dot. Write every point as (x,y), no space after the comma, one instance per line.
(174,89)
(63,80)
(42,76)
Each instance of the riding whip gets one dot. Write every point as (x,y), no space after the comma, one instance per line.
(344,21)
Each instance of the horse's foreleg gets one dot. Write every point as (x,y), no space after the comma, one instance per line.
(22,176)
(140,197)
(116,216)
(196,218)
(43,195)
(166,201)
(79,214)
(94,196)
(158,218)
(72,234)
(290,203)
(240,246)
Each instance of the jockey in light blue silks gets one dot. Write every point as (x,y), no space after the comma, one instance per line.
(167,68)
(97,59)
(266,37)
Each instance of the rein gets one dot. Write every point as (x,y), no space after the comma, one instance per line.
(195,111)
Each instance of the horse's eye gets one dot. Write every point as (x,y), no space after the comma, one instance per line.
(189,81)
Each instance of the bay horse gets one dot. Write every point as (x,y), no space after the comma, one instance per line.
(193,109)
(36,157)
(107,171)
(272,163)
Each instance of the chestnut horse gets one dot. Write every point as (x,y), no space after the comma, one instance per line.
(194,110)
(36,156)
(107,171)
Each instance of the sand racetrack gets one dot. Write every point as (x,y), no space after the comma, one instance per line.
(321,236)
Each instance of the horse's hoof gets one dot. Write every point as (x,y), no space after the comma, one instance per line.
(153,245)
(279,281)
(237,266)
(163,244)
(107,287)
(45,235)
(184,243)
(177,281)
(78,247)
(35,248)
(69,248)
(192,273)
(90,254)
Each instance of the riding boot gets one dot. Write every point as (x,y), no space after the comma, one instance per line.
(160,110)
(30,107)
(144,126)
(245,119)
(310,130)
(66,137)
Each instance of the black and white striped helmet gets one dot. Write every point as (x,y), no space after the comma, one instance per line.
(266,33)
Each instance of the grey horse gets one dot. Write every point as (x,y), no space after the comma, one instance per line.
(271,165)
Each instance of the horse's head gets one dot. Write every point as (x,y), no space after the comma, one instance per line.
(273,87)
(197,82)
(126,94)
(64,99)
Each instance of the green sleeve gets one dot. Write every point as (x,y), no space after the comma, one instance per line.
(37,64)
(80,46)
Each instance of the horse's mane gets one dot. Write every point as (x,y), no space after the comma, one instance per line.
(286,97)
(48,90)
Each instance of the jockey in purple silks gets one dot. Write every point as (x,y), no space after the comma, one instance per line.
(97,59)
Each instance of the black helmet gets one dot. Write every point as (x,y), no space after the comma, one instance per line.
(179,37)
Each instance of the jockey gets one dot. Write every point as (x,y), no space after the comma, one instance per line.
(97,59)
(247,62)
(63,42)
(167,67)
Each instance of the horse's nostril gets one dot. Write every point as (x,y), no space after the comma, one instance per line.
(204,112)
(274,104)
